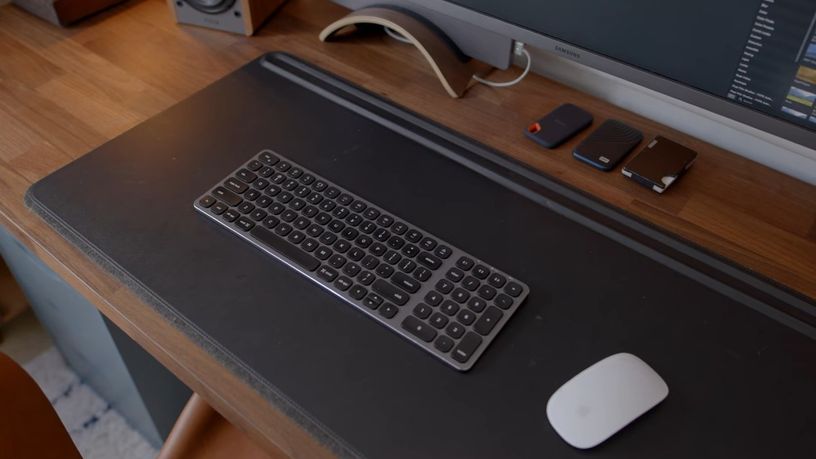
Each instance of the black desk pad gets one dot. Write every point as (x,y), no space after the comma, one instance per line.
(737,352)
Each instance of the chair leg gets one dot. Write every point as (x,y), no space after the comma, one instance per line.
(201,433)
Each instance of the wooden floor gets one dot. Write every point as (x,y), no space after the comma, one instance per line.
(65,91)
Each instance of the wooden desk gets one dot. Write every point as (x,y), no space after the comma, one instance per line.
(64,92)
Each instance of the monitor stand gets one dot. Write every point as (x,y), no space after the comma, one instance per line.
(454,69)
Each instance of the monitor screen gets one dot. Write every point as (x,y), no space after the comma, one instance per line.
(760,54)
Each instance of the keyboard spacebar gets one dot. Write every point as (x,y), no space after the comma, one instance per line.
(292,253)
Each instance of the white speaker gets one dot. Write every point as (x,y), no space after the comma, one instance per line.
(237,16)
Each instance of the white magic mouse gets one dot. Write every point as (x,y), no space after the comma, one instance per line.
(601,400)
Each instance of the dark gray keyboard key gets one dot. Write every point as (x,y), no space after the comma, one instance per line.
(384,270)
(428,243)
(391,257)
(271,222)
(343,283)
(230,215)
(467,346)
(443,252)
(489,319)
(327,273)
(323,252)
(513,289)
(366,278)
(438,320)
(503,301)
(246,207)
(252,195)
(445,286)
(246,175)
(235,185)
(471,283)
(405,282)
(497,280)
(372,301)
(356,253)
(429,260)
(399,228)
(413,236)
(244,223)
(352,269)
(464,263)
(358,292)
(419,329)
(388,310)
(466,316)
(296,237)
(296,255)
(268,158)
(422,274)
(206,201)
(433,298)
(226,195)
(390,292)
(443,343)
(258,215)
(477,304)
(422,310)
(487,292)
(455,330)
(345,199)
(460,295)
(455,274)
(218,208)
(371,213)
(385,220)
(449,307)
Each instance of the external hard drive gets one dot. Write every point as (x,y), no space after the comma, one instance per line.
(608,145)
(559,125)
(659,164)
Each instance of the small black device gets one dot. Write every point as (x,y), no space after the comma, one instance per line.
(442,299)
(559,125)
(659,164)
(608,145)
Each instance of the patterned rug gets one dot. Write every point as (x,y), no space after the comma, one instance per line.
(98,431)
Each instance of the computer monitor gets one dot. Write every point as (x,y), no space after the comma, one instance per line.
(753,61)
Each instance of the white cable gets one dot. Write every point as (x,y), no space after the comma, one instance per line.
(520,50)
(396,36)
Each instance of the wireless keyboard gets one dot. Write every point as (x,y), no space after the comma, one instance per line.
(437,296)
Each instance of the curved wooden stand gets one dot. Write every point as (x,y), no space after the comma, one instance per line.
(454,72)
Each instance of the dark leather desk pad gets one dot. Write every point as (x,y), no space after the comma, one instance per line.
(741,374)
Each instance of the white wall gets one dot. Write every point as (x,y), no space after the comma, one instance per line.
(774,152)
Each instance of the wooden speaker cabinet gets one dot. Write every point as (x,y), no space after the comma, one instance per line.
(237,16)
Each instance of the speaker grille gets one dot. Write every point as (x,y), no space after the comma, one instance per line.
(211,6)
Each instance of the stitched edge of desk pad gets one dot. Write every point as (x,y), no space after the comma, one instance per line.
(318,431)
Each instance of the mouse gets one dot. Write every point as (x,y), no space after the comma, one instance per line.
(603,399)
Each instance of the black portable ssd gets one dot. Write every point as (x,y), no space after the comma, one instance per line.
(608,145)
(559,125)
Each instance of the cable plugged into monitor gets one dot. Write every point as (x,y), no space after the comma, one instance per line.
(519,50)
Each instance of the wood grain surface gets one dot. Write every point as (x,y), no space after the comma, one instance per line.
(65,91)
